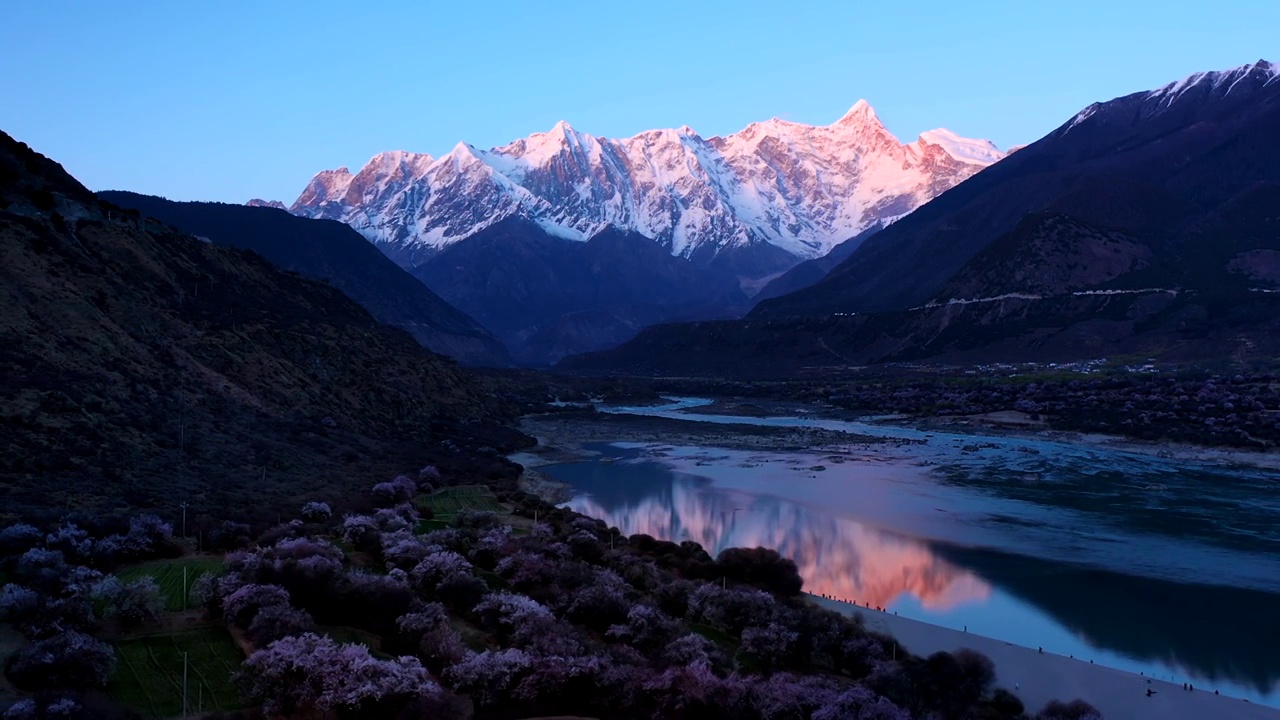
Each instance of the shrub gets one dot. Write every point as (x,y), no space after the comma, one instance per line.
(19,538)
(131,603)
(72,541)
(476,519)
(598,607)
(316,512)
(461,592)
(312,674)
(1074,710)
(859,703)
(977,674)
(362,532)
(761,567)
(427,575)
(18,604)
(488,677)
(229,535)
(769,646)
(274,622)
(401,489)
(438,644)
(647,629)
(241,606)
(1006,705)
(67,659)
(149,536)
(404,549)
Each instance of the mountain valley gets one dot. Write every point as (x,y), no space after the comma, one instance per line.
(731,213)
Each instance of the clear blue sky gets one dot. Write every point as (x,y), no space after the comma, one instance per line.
(230,100)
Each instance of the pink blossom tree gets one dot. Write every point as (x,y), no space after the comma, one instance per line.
(131,603)
(859,703)
(316,512)
(244,603)
(428,629)
(434,567)
(769,646)
(67,659)
(310,673)
(489,677)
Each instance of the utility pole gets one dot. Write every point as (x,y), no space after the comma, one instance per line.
(184,587)
(184,684)
(182,414)
(183,505)
(735,515)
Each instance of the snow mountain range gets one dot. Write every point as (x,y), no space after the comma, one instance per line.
(564,242)
(799,188)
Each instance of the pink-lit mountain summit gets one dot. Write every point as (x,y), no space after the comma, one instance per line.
(801,189)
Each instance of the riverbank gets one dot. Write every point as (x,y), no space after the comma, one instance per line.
(1036,678)
(1007,423)
(561,436)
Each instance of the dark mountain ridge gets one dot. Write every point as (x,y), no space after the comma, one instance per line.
(1152,164)
(140,366)
(811,272)
(1147,225)
(331,251)
(547,297)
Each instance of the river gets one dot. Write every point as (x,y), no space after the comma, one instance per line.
(1145,563)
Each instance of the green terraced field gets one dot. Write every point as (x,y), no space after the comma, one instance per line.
(149,672)
(168,575)
(449,501)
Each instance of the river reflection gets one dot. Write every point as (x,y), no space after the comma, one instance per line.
(836,556)
(1215,636)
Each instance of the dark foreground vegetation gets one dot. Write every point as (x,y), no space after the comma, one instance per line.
(489,615)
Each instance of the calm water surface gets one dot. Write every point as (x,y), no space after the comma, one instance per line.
(1137,562)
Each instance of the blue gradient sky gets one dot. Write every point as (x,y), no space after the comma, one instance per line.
(230,100)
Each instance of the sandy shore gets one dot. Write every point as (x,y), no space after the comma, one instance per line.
(1039,678)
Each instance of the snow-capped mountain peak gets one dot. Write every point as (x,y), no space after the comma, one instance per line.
(966,150)
(801,188)
(1234,87)
(1262,72)
(259,202)
(861,114)
(324,194)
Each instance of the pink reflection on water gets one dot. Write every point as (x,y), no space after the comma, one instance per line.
(836,556)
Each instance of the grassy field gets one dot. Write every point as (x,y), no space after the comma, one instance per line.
(426,526)
(149,672)
(450,501)
(168,575)
(350,635)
